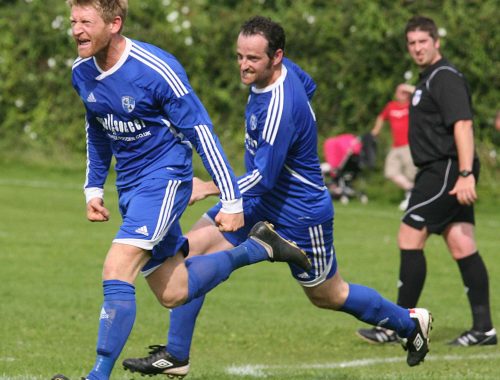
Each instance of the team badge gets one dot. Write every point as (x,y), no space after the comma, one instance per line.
(416,97)
(253,122)
(128,103)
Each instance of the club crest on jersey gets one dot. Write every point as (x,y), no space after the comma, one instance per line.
(128,103)
(253,122)
(416,97)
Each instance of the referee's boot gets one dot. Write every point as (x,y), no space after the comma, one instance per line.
(158,362)
(378,335)
(279,249)
(476,338)
(417,344)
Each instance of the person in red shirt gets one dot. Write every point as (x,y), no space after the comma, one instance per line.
(399,167)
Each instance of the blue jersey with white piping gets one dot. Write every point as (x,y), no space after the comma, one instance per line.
(144,112)
(281,158)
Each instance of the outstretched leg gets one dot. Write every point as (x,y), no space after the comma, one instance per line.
(175,283)
(204,273)
(369,306)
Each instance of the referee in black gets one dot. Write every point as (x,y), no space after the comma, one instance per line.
(442,146)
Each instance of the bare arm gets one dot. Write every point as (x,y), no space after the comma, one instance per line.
(225,221)
(465,187)
(379,123)
(202,189)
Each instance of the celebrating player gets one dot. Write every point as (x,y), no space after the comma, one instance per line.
(141,109)
(283,184)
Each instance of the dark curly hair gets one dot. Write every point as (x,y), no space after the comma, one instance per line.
(270,30)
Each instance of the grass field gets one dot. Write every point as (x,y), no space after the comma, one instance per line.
(257,325)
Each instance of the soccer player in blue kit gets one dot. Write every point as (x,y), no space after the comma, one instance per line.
(283,185)
(141,109)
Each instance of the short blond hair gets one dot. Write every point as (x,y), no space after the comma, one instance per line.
(109,9)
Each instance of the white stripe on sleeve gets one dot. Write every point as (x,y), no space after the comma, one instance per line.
(161,68)
(246,183)
(216,162)
(274,113)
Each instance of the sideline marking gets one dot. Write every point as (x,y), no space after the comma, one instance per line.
(262,371)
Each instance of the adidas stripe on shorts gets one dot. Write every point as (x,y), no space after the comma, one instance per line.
(316,241)
(151,212)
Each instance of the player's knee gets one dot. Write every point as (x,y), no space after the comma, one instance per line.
(110,272)
(460,253)
(326,303)
(331,301)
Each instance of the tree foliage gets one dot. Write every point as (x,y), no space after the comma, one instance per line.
(355,50)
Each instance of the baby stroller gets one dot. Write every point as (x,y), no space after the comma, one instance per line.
(346,155)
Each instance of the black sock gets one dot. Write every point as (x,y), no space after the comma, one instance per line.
(412,271)
(475,279)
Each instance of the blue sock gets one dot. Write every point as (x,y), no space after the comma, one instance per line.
(183,318)
(369,306)
(206,272)
(180,332)
(116,321)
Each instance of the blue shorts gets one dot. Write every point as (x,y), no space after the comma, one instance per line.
(316,241)
(151,212)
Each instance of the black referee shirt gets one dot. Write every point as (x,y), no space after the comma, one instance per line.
(440,99)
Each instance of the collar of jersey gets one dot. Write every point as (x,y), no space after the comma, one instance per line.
(271,87)
(430,69)
(117,65)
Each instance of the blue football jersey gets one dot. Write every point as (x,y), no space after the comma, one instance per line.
(281,157)
(144,112)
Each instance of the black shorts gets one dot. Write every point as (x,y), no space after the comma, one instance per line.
(430,204)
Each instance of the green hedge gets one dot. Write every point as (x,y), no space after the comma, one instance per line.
(355,50)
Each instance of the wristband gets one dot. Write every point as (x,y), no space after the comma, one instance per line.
(464,173)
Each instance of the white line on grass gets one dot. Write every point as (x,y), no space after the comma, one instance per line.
(262,371)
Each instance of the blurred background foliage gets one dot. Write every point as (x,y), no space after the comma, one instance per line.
(354,49)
